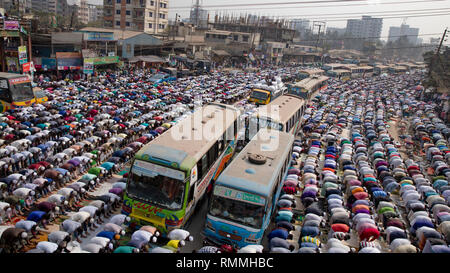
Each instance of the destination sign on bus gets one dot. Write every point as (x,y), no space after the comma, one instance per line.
(150,169)
(239,195)
(19,80)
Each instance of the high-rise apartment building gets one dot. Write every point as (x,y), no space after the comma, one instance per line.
(367,27)
(412,34)
(151,16)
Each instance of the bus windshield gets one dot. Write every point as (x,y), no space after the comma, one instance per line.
(157,189)
(21,91)
(259,95)
(237,211)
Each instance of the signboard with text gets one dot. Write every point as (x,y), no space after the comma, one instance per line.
(150,169)
(11,25)
(99,36)
(88,67)
(239,195)
(26,67)
(103,60)
(23,57)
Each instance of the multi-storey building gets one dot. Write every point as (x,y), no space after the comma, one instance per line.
(300,25)
(95,13)
(59,7)
(24,6)
(367,27)
(151,16)
(412,34)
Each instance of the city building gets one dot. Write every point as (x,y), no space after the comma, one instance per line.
(14,38)
(270,29)
(367,27)
(83,12)
(95,13)
(337,30)
(199,16)
(150,16)
(404,30)
(300,25)
(59,7)
(10,5)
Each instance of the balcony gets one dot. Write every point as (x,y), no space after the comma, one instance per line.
(108,4)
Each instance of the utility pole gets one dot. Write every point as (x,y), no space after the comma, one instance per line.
(442,41)
(321,25)
(436,55)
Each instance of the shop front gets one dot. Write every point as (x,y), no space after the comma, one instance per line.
(14,47)
(100,64)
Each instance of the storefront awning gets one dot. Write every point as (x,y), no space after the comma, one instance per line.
(220,53)
(147,59)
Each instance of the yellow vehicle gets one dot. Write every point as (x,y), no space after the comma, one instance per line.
(40,95)
(15,91)
(264,97)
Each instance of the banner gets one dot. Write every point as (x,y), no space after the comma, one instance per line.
(26,67)
(103,60)
(66,60)
(88,67)
(13,64)
(11,25)
(23,57)
(68,55)
(48,64)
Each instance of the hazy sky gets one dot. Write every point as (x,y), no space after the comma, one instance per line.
(338,12)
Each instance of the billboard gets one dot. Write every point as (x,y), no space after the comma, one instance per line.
(88,67)
(48,64)
(23,57)
(69,60)
(11,25)
(103,60)
(99,36)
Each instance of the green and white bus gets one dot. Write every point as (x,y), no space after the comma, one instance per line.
(171,174)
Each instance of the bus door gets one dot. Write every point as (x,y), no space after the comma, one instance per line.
(192,200)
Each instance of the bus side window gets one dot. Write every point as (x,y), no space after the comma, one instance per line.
(213,153)
(4,95)
(220,146)
(191,193)
(230,134)
(203,166)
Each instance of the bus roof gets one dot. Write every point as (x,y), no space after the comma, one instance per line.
(337,71)
(287,104)
(11,75)
(242,174)
(191,141)
(312,71)
(308,83)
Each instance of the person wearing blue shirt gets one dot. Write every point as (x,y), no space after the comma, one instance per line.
(41,218)
(280,233)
